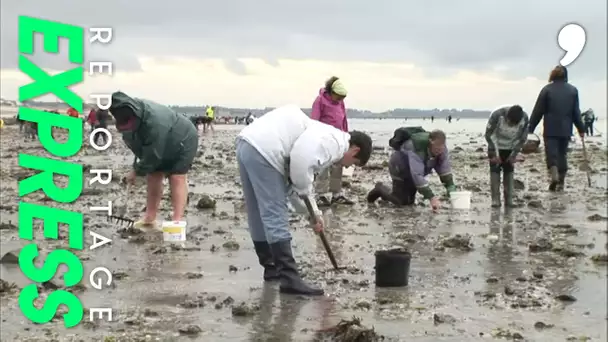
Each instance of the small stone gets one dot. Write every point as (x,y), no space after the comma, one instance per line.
(231,245)
(11,258)
(244,310)
(439,318)
(541,325)
(206,202)
(600,258)
(190,329)
(566,298)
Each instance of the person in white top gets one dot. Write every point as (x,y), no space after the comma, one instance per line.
(278,156)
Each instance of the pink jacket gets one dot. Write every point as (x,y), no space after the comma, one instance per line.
(330,112)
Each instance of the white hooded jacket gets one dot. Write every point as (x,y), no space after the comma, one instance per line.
(296,146)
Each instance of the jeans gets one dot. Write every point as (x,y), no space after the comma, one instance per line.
(265,192)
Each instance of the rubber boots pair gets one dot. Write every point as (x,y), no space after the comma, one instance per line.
(507,184)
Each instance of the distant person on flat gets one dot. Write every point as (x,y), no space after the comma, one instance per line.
(506,134)
(558,105)
(416,154)
(329,109)
(589,119)
(208,119)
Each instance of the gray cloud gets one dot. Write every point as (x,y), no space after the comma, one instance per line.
(441,36)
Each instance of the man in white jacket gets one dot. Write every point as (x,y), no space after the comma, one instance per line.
(278,156)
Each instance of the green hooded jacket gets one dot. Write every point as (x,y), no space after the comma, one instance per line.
(158,135)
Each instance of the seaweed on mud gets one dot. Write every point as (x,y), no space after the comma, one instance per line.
(349,331)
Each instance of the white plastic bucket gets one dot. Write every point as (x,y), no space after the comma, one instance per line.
(174,231)
(348,171)
(461,200)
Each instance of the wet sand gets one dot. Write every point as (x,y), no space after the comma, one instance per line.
(533,273)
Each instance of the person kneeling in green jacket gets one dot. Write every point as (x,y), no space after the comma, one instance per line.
(165,144)
(416,154)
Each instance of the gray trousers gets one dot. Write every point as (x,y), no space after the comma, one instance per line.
(329,180)
(265,192)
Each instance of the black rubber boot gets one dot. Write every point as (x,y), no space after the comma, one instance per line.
(262,249)
(495,189)
(554,178)
(507,184)
(291,282)
(374,194)
(386,194)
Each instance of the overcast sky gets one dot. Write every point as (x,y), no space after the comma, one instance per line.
(390,53)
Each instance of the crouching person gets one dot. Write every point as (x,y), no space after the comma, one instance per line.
(506,133)
(165,144)
(279,153)
(417,153)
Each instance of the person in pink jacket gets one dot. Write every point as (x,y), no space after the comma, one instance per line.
(329,108)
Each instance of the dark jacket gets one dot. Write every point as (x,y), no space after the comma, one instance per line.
(159,133)
(558,104)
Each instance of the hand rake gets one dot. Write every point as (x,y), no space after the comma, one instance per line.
(120,217)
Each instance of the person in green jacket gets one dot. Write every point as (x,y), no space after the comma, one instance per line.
(164,142)
(416,154)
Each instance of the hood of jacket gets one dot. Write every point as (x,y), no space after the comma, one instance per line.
(123,104)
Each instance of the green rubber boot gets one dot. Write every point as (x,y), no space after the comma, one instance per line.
(508,189)
(495,189)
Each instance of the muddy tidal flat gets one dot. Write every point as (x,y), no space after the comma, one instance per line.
(537,272)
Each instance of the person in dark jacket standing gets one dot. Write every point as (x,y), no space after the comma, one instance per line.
(558,105)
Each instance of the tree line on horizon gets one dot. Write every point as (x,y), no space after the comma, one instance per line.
(397,113)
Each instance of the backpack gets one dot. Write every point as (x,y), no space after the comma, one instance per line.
(403,134)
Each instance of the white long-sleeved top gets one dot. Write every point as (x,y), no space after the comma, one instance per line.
(295,145)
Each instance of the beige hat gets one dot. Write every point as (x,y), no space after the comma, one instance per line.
(338,88)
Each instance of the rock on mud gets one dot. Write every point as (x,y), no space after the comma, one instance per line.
(206,202)
(11,257)
(600,258)
(245,310)
(347,331)
(190,330)
(6,287)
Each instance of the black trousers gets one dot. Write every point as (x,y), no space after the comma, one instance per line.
(556,153)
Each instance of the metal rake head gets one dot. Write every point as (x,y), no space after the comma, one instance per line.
(122,221)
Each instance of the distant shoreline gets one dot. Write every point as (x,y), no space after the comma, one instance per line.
(352,113)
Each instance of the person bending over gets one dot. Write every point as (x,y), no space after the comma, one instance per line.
(165,144)
(416,155)
(506,133)
(278,155)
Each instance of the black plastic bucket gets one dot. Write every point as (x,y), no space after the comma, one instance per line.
(392,267)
